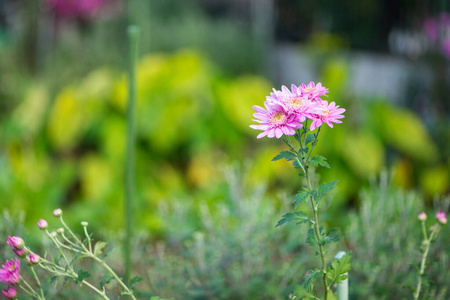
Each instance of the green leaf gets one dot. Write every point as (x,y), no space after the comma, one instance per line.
(298,216)
(134,281)
(304,150)
(332,237)
(301,292)
(297,137)
(107,252)
(287,155)
(311,238)
(99,247)
(319,160)
(309,138)
(105,280)
(324,188)
(311,278)
(300,197)
(82,275)
(338,268)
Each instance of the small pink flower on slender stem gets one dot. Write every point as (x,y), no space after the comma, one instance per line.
(330,114)
(422,216)
(10,272)
(275,121)
(42,224)
(57,212)
(10,292)
(441,217)
(16,242)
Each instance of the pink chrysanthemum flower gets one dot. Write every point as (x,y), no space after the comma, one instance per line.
(15,241)
(275,121)
(10,292)
(294,102)
(441,217)
(314,92)
(42,224)
(10,272)
(33,259)
(330,114)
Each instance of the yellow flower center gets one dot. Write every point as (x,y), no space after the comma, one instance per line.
(307,89)
(279,118)
(12,267)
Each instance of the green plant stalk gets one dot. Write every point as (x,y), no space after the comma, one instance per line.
(426,242)
(304,164)
(28,289)
(89,253)
(133,37)
(316,230)
(38,282)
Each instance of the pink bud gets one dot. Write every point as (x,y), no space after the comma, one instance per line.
(15,241)
(422,216)
(33,259)
(20,252)
(42,224)
(441,217)
(57,212)
(10,292)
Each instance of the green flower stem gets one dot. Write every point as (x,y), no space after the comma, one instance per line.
(127,290)
(426,241)
(28,289)
(316,229)
(58,245)
(38,282)
(93,256)
(88,238)
(313,145)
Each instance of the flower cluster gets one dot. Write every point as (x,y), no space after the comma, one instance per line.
(9,274)
(441,217)
(286,110)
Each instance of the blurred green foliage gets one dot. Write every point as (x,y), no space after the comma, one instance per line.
(192,121)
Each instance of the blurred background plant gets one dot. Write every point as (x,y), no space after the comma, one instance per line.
(204,64)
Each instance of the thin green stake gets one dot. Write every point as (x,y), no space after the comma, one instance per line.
(133,38)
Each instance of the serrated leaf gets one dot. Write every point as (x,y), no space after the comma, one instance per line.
(338,268)
(309,138)
(301,292)
(300,196)
(332,237)
(99,247)
(296,164)
(311,278)
(319,160)
(303,150)
(105,280)
(107,252)
(287,155)
(297,137)
(298,216)
(134,281)
(323,189)
(311,238)
(82,274)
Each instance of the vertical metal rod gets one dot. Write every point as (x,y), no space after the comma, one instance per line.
(342,288)
(133,37)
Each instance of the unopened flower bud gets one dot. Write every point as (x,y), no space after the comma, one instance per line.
(57,212)
(15,242)
(60,230)
(52,234)
(422,216)
(20,252)
(10,292)
(441,217)
(33,259)
(42,224)
(84,224)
